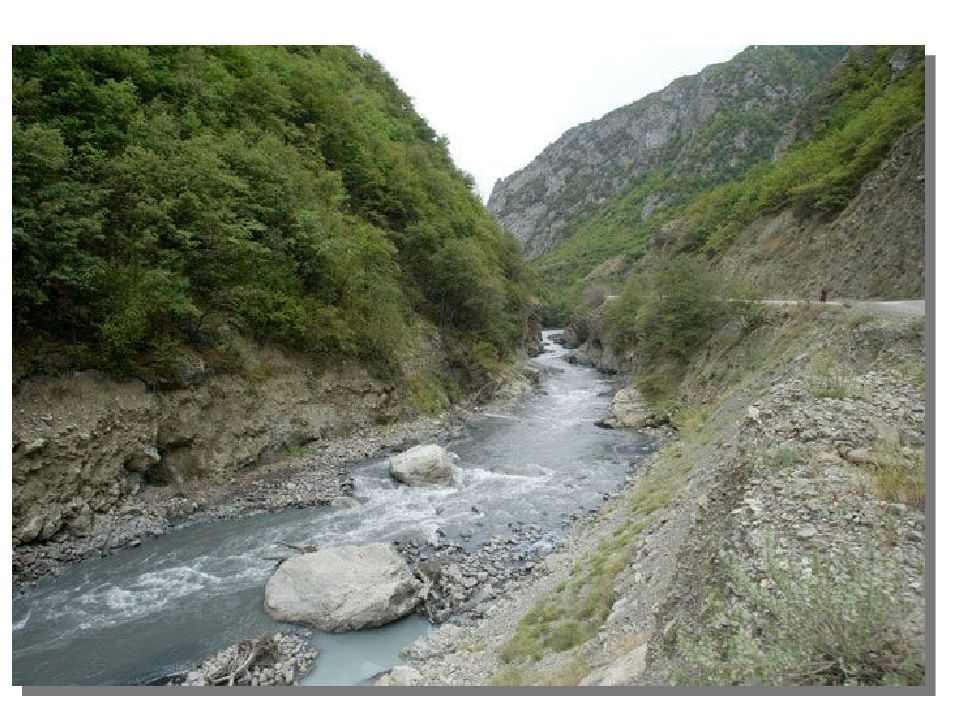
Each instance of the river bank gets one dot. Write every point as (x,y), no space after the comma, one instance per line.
(320,476)
(315,474)
(526,471)
(779,540)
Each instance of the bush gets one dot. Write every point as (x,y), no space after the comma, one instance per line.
(837,622)
(669,313)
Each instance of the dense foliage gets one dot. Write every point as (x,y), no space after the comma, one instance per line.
(846,128)
(671,312)
(164,194)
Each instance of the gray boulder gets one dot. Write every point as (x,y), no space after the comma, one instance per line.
(343,588)
(628,409)
(423,465)
(401,675)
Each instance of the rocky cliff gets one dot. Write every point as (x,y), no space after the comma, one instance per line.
(702,128)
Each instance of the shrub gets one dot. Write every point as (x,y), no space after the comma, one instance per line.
(839,621)
(671,312)
(829,378)
(899,476)
(292,191)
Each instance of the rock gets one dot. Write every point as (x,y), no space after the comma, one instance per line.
(860,456)
(423,465)
(885,432)
(555,561)
(670,633)
(627,410)
(190,369)
(35,446)
(142,459)
(29,529)
(402,675)
(82,522)
(623,671)
(532,373)
(343,502)
(807,531)
(343,588)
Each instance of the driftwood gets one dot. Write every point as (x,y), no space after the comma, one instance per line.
(254,649)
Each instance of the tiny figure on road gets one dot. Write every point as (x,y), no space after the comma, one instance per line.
(823,295)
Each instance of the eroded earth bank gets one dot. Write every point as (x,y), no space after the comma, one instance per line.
(778,539)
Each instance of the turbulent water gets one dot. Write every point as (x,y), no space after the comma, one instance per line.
(158,608)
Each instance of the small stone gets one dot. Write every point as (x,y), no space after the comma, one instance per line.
(35,446)
(670,632)
(807,531)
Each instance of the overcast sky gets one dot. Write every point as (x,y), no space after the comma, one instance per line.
(501,107)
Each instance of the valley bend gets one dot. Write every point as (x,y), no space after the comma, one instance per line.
(293,405)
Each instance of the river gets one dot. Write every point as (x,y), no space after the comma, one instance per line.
(157,609)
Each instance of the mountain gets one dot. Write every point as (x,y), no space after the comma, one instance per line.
(169,199)
(831,197)
(698,131)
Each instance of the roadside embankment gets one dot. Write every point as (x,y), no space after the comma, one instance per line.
(778,540)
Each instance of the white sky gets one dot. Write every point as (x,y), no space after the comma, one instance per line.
(501,108)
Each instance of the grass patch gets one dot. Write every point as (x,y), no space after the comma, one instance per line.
(652,495)
(837,622)
(786,455)
(578,607)
(510,677)
(899,477)
(566,674)
(427,395)
(914,372)
(830,379)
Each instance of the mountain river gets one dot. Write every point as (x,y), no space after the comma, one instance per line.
(158,609)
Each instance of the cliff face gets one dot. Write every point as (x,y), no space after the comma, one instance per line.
(873,249)
(699,129)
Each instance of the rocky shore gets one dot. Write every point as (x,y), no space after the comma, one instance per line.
(317,474)
(319,477)
(779,539)
(280,659)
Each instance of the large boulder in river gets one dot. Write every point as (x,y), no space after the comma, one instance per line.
(343,588)
(423,465)
(628,410)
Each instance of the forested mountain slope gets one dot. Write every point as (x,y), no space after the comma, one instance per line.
(222,256)
(166,199)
